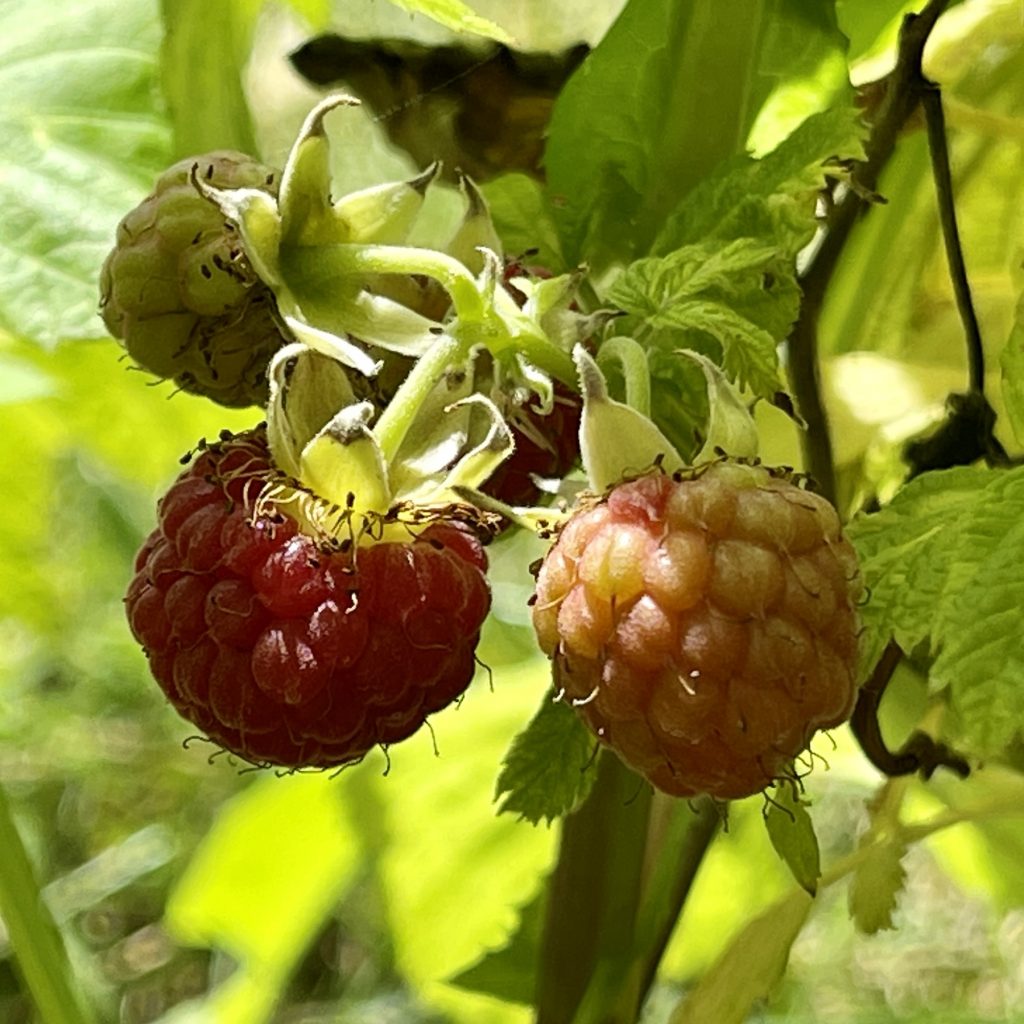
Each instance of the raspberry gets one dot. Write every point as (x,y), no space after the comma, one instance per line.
(704,628)
(292,649)
(545,446)
(179,293)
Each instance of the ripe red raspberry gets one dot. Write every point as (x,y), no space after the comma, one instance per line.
(293,649)
(704,627)
(545,446)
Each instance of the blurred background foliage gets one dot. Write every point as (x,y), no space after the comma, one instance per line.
(184,888)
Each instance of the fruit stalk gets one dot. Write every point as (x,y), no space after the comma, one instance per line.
(593,898)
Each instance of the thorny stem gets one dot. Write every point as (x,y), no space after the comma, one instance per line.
(902,97)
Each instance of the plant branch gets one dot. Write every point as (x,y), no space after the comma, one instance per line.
(921,752)
(938,148)
(678,858)
(593,893)
(903,93)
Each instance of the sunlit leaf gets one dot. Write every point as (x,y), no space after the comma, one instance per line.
(773,198)
(288,841)
(750,968)
(81,140)
(20,381)
(549,768)
(449,859)
(942,568)
(696,75)
(457,16)
(876,885)
(1013,373)
(792,834)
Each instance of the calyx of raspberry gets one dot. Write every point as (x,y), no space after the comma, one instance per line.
(345,282)
(618,440)
(435,438)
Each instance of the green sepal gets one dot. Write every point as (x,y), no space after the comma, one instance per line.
(344,465)
(383,214)
(549,304)
(731,427)
(307,388)
(539,382)
(257,217)
(305,200)
(480,462)
(791,832)
(635,368)
(332,345)
(476,231)
(542,521)
(442,428)
(616,441)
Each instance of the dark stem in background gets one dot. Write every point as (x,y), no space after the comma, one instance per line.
(931,100)
(903,93)
(921,753)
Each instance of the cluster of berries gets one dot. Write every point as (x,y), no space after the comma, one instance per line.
(312,591)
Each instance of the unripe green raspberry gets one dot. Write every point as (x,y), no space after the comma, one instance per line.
(704,627)
(179,293)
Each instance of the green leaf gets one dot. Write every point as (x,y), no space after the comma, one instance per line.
(700,290)
(206,47)
(792,834)
(510,972)
(523,220)
(37,944)
(1012,360)
(774,198)
(457,16)
(20,381)
(696,75)
(253,848)
(942,568)
(548,770)
(317,13)
(81,142)
(876,885)
(706,290)
(750,968)
(864,21)
(656,283)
